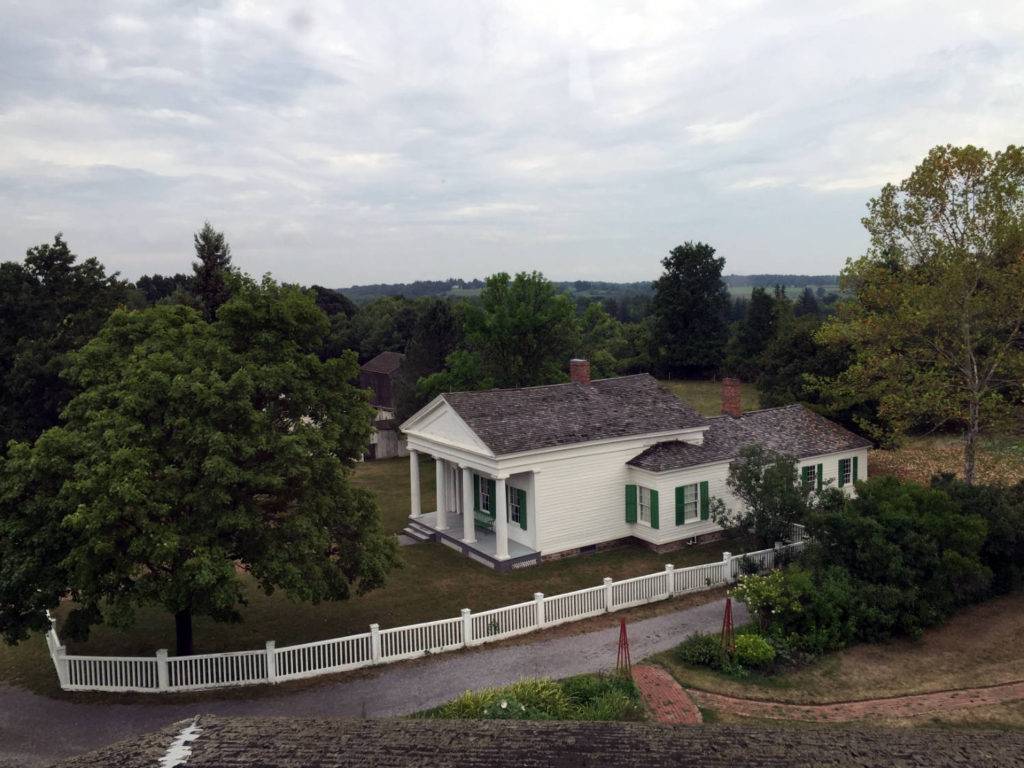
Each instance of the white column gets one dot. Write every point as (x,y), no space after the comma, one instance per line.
(442,492)
(468,518)
(414,482)
(500,520)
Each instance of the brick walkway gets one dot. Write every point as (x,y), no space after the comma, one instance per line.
(898,706)
(665,699)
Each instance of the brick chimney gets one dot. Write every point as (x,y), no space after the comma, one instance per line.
(731,398)
(579,371)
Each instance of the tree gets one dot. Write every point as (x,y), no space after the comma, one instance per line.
(936,318)
(689,307)
(769,486)
(522,334)
(211,281)
(193,450)
(437,334)
(49,306)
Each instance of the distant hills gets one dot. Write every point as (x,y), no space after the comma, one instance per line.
(739,285)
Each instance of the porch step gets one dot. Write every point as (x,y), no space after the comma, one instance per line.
(418,531)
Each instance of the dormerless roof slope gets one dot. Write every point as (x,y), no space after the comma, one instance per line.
(792,430)
(385,362)
(514,420)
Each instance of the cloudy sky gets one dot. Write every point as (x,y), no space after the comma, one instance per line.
(346,143)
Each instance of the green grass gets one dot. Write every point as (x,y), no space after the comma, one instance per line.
(706,396)
(435,583)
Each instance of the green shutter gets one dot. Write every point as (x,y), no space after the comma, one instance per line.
(630,503)
(654,509)
(680,505)
(522,509)
(854,467)
(476,493)
(841,463)
(705,501)
(819,473)
(491,491)
(804,472)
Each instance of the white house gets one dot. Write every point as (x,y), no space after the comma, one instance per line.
(537,473)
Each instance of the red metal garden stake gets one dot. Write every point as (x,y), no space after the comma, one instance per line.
(727,642)
(622,664)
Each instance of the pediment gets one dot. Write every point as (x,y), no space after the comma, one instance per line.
(439,423)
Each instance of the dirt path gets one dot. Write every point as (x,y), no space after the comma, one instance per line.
(842,712)
(668,702)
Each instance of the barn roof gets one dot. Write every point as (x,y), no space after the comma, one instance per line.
(385,362)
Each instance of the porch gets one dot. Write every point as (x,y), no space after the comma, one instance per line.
(484,550)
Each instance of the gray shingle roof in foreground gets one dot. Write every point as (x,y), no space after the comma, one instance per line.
(514,420)
(230,742)
(792,430)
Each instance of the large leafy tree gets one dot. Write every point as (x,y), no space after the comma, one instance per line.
(689,307)
(211,283)
(936,318)
(194,450)
(522,334)
(49,306)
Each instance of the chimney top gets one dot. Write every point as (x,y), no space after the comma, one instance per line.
(731,398)
(579,371)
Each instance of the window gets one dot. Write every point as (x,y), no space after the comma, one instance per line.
(485,497)
(690,499)
(810,475)
(644,508)
(845,472)
(515,510)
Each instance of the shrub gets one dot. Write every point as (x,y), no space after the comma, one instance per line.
(584,697)
(701,650)
(754,651)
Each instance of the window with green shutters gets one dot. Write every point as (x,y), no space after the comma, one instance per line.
(516,499)
(483,495)
(642,505)
(687,503)
(812,476)
(845,472)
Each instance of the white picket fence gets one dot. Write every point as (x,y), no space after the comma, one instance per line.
(163,673)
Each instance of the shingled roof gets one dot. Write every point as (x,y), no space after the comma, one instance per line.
(514,420)
(385,362)
(792,430)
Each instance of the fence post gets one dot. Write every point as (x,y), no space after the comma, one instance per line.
(60,661)
(539,599)
(271,662)
(727,559)
(608,594)
(670,580)
(375,643)
(467,627)
(163,677)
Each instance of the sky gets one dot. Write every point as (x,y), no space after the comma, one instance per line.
(344,143)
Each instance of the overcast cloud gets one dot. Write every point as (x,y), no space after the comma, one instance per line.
(342,143)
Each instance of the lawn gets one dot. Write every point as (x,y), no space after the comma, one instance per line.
(434,583)
(706,396)
(999,460)
(980,646)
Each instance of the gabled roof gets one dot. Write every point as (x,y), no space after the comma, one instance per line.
(516,420)
(385,362)
(792,430)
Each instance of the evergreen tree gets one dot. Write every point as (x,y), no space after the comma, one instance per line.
(211,283)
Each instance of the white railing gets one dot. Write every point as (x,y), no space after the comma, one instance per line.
(272,664)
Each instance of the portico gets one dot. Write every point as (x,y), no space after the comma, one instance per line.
(474,508)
